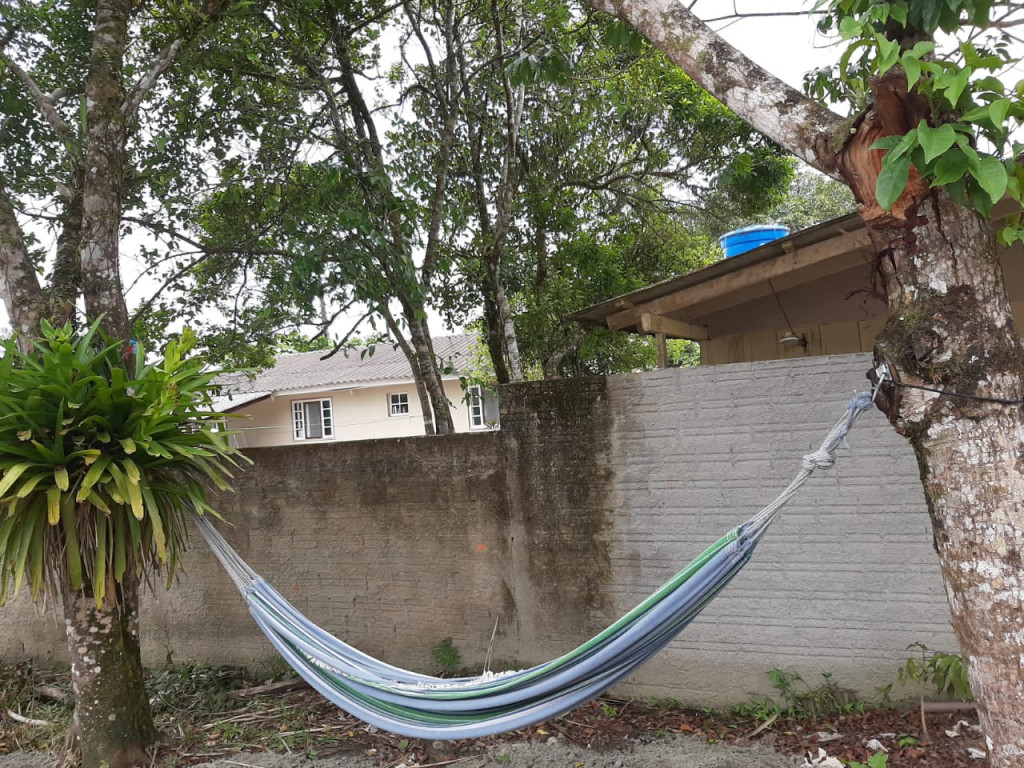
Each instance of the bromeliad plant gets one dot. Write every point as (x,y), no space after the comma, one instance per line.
(102,456)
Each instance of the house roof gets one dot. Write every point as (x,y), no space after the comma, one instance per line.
(702,304)
(310,371)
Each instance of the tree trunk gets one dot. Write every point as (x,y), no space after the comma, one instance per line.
(504,317)
(417,373)
(66,280)
(112,724)
(423,347)
(23,297)
(494,335)
(106,134)
(950,329)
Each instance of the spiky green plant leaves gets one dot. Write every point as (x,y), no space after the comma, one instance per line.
(102,457)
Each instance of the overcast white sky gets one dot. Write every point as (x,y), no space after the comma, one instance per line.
(787,46)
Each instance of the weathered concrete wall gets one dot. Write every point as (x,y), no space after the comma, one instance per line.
(593,493)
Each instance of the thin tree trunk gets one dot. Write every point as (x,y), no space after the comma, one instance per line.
(417,373)
(423,347)
(508,330)
(66,280)
(112,724)
(495,338)
(23,297)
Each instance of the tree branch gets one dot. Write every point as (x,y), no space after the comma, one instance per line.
(801,125)
(44,104)
(150,77)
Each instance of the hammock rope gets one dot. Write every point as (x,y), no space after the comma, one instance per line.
(422,706)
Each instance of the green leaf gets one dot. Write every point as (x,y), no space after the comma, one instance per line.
(135,499)
(992,177)
(935,141)
(888,54)
(120,543)
(850,27)
(36,559)
(950,167)
(73,555)
(11,475)
(92,477)
(23,549)
(159,536)
(53,506)
(912,67)
(99,568)
(998,110)
(892,179)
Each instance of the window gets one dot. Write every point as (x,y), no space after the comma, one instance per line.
(483,408)
(398,404)
(312,419)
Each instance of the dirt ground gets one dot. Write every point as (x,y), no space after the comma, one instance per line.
(296,729)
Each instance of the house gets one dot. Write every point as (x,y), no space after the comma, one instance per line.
(364,394)
(812,293)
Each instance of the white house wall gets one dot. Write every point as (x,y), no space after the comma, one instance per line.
(358,414)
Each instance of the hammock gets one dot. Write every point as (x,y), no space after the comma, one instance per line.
(421,706)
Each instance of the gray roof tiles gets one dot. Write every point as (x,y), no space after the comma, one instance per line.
(307,371)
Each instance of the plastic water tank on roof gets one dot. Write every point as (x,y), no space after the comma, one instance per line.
(748,238)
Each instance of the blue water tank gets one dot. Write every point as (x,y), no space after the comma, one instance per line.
(748,238)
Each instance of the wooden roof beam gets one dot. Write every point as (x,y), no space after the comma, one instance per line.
(786,264)
(675,329)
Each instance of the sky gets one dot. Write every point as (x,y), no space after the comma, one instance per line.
(787,46)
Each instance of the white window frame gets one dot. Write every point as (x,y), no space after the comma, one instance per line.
(300,418)
(396,402)
(475,403)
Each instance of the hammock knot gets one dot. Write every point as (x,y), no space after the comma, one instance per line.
(819,459)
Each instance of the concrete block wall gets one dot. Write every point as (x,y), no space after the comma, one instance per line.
(844,580)
(593,493)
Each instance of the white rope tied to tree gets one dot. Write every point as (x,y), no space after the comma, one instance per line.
(822,458)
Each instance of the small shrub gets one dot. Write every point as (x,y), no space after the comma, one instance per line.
(947,672)
(446,657)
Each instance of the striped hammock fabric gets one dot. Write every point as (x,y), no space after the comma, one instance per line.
(421,706)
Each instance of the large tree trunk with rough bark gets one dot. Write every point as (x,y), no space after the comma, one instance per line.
(950,329)
(112,724)
(949,343)
(106,135)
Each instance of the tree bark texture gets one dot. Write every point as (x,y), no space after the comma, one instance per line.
(417,374)
(66,279)
(23,297)
(112,724)
(106,134)
(949,330)
(423,348)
